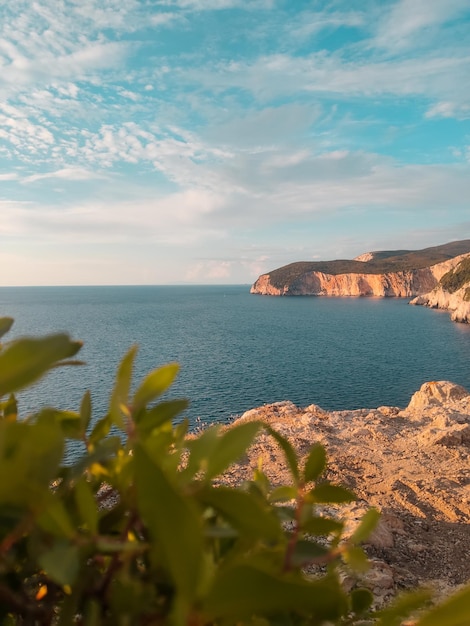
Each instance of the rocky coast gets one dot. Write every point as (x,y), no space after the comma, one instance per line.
(411,463)
(443,285)
(402,284)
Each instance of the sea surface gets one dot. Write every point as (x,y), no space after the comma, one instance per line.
(238,351)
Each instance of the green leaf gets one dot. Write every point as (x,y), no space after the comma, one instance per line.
(316,463)
(30,456)
(10,409)
(356,558)
(403,606)
(327,493)
(120,394)
(25,360)
(289,453)
(117,546)
(230,447)
(69,421)
(367,524)
(261,482)
(85,412)
(161,414)
(154,385)
(104,450)
(361,600)
(180,431)
(321,526)
(201,449)
(54,519)
(244,512)
(173,522)
(61,563)
(306,552)
(100,430)
(285,493)
(87,506)
(5,324)
(455,611)
(244,591)
(92,613)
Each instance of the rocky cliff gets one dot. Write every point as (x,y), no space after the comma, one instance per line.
(401,283)
(411,463)
(452,292)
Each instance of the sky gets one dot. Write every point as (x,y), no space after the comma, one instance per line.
(210,141)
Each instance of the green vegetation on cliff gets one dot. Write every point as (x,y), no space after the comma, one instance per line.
(456,278)
(382,263)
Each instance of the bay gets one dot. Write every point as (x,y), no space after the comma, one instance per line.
(238,351)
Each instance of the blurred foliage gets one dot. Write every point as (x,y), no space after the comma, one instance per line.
(141,530)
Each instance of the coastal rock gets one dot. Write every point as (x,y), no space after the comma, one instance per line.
(401,284)
(410,463)
(437,393)
(455,302)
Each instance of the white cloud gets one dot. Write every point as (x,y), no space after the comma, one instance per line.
(278,75)
(209,270)
(214,5)
(449,109)
(409,21)
(310,23)
(67,173)
(25,135)
(269,126)
(12,218)
(130,95)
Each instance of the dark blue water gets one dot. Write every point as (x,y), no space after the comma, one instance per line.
(237,350)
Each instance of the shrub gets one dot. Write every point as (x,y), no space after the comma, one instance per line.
(456,278)
(138,532)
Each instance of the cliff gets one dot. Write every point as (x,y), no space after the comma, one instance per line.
(411,463)
(368,282)
(452,292)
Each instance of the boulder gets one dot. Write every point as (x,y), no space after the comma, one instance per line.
(435,393)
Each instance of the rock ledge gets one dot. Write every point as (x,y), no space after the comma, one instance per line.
(411,463)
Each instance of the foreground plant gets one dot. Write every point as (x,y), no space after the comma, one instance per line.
(141,529)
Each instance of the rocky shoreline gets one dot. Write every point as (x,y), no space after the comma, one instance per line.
(437,277)
(455,302)
(411,463)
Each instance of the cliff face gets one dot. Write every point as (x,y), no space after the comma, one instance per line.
(456,301)
(410,463)
(399,284)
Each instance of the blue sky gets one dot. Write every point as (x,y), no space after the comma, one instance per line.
(208,141)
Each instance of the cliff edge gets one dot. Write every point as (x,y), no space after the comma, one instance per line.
(400,273)
(452,292)
(411,463)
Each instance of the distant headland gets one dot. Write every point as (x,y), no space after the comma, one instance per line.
(438,277)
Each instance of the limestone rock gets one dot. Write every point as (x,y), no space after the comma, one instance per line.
(411,464)
(403,284)
(436,393)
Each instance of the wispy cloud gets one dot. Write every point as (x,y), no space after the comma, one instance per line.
(411,23)
(67,173)
(216,5)
(309,23)
(227,135)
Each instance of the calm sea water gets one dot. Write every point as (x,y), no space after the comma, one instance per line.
(237,350)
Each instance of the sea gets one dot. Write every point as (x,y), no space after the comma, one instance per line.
(237,350)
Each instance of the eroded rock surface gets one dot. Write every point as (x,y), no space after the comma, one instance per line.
(396,284)
(456,302)
(412,464)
